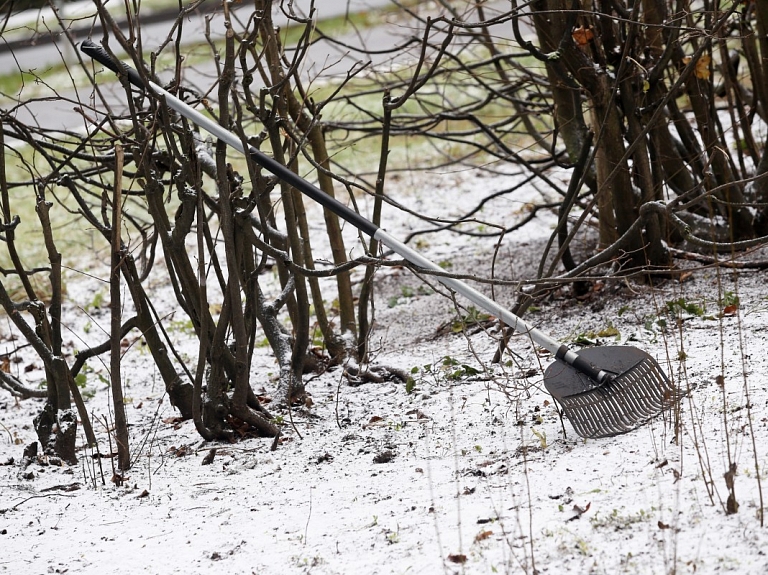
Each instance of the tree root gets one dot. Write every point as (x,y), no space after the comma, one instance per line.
(374,374)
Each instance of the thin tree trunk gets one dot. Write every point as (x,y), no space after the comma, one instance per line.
(121,424)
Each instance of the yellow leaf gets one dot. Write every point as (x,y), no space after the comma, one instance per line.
(702,67)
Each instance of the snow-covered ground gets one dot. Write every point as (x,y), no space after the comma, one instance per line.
(470,472)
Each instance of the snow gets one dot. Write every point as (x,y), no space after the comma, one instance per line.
(468,473)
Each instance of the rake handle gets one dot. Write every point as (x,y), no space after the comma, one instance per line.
(99,54)
(358,221)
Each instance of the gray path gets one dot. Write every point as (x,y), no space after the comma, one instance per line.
(59,111)
(323,60)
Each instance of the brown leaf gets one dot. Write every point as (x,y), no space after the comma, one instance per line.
(418,413)
(582,35)
(730,309)
(384,457)
(143,494)
(701,70)
(5,364)
(702,67)
(684,276)
(730,477)
(457,558)
(663,525)
(483,535)
(720,380)
(579,511)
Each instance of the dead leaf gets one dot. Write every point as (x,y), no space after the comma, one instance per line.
(143,494)
(730,309)
(720,380)
(384,457)
(701,70)
(483,535)
(702,67)
(175,421)
(579,511)
(582,35)
(663,525)
(457,558)
(418,413)
(5,364)
(182,451)
(730,477)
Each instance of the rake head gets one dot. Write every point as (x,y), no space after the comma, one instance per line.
(637,391)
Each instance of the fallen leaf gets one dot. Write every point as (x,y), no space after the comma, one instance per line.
(457,558)
(144,493)
(579,511)
(418,413)
(5,364)
(384,457)
(730,309)
(663,525)
(720,380)
(483,535)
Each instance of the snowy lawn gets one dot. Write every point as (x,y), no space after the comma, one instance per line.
(467,470)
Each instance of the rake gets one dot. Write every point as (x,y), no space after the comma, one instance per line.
(603,391)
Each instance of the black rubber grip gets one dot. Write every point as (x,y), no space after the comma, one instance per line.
(313,192)
(579,364)
(99,54)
